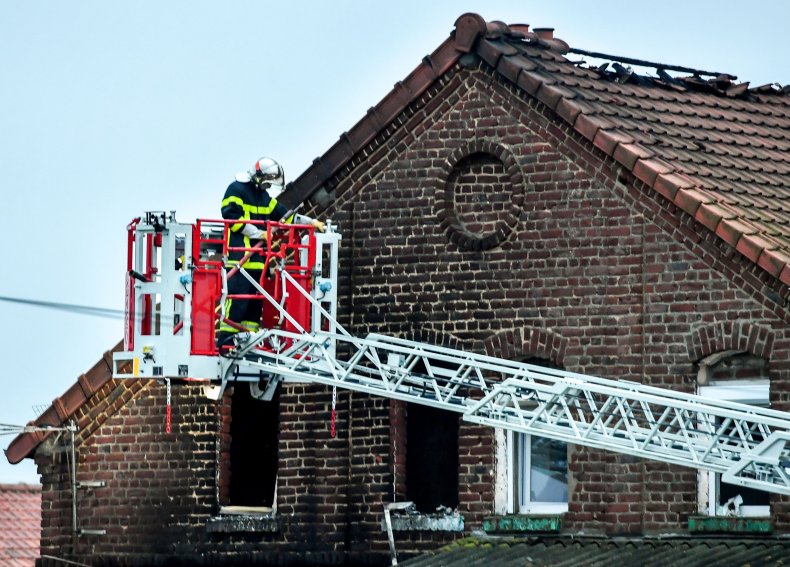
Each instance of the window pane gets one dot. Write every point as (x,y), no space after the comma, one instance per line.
(755,502)
(549,471)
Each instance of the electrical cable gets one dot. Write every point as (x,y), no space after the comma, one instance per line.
(68,307)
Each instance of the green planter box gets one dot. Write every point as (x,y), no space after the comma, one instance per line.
(517,523)
(710,524)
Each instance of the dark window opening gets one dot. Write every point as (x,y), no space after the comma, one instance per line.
(253,449)
(751,496)
(431,457)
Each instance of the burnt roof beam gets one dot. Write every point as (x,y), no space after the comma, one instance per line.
(643,63)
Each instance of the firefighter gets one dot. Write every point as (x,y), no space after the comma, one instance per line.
(251,196)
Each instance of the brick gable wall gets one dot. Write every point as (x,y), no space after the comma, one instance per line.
(582,265)
(595,254)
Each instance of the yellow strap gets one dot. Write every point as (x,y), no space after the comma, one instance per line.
(250,209)
(253,326)
(247,265)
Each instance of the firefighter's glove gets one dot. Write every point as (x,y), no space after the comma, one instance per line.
(318,225)
(253,231)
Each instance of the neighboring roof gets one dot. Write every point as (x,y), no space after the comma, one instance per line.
(718,150)
(20,524)
(622,552)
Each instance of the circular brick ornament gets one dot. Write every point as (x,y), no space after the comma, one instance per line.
(481,194)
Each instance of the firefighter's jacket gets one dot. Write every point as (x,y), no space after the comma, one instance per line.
(244,201)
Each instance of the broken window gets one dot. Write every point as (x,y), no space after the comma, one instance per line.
(431,457)
(253,449)
(742,378)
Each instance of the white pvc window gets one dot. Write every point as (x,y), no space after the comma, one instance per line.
(720,498)
(538,479)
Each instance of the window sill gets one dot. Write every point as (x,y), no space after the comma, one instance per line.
(237,519)
(730,524)
(426,523)
(520,523)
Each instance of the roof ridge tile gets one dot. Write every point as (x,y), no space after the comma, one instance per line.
(628,153)
(648,170)
(731,230)
(773,261)
(511,67)
(752,246)
(569,110)
(691,197)
(672,185)
(552,94)
(530,81)
(588,125)
(608,140)
(710,215)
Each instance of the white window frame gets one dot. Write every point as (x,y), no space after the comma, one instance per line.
(752,392)
(518,493)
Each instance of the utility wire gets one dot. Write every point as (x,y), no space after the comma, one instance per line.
(68,307)
(9,429)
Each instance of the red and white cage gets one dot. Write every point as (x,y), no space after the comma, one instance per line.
(177,291)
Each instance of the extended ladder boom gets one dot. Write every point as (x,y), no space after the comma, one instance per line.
(748,445)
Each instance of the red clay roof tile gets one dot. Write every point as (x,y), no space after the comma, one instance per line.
(751,246)
(628,153)
(669,185)
(530,81)
(690,199)
(731,230)
(772,261)
(607,140)
(588,125)
(648,170)
(20,524)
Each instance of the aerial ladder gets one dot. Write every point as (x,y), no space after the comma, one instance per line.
(177,287)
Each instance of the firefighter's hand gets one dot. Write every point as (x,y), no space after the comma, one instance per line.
(318,225)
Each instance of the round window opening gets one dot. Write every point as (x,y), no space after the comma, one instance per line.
(480,200)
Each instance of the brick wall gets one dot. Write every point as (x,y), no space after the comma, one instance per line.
(619,276)
(569,259)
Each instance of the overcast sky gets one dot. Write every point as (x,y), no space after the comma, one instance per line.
(110,109)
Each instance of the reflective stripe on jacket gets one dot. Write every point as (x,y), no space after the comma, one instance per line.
(244,201)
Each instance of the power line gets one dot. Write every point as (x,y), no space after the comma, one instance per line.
(67,307)
(10,429)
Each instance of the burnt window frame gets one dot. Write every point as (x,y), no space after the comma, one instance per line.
(236,447)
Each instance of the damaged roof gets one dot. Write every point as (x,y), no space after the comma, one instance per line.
(623,552)
(718,149)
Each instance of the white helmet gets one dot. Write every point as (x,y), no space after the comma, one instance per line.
(268,174)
